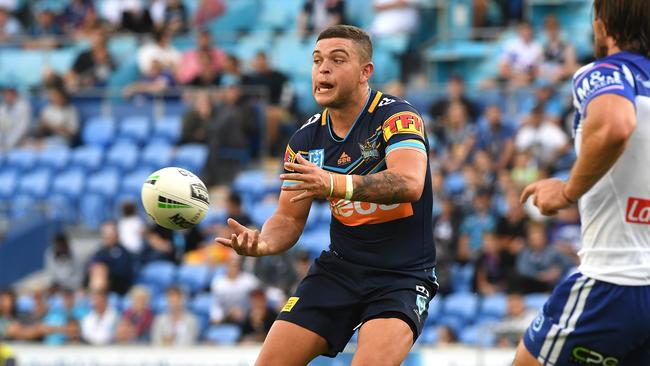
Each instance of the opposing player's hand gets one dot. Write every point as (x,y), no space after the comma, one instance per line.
(549,196)
(314,182)
(244,240)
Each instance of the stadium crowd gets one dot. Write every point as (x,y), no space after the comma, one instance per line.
(486,146)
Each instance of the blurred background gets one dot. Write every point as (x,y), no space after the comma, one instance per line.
(96,95)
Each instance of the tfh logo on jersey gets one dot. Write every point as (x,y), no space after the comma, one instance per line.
(403,122)
(638,211)
(353,213)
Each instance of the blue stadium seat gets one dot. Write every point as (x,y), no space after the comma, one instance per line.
(435,310)
(23,159)
(493,307)
(191,157)
(157,155)
(194,277)
(278,15)
(115,301)
(122,47)
(93,210)
(55,157)
(135,128)
(247,184)
(477,336)
(123,156)
(159,275)
(429,336)
(214,216)
(124,109)
(201,304)
(105,183)
(70,183)
(8,182)
(315,241)
(61,208)
(168,127)
(88,157)
(132,182)
(461,305)
(35,183)
(223,334)
(262,212)
(61,60)
(535,301)
(23,206)
(98,131)
(462,277)
(159,302)
(25,304)
(87,106)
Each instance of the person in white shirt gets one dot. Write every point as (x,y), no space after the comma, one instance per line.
(231,293)
(394,17)
(15,118)
(98,327)
(544,139)
(522,57)
(130,229)
(177,326)
(161,50)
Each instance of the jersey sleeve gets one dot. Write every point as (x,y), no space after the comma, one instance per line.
(297,145)
(602,78)
(404,129)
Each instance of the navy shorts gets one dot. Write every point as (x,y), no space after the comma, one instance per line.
(590,322)
(337,296)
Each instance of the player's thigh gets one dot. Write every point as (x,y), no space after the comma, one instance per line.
(288,344)
(524,358)
(383,341)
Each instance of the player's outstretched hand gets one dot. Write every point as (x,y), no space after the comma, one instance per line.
(549,196)
(313,181)
(244,241)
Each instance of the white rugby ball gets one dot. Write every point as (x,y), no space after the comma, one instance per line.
(175,198)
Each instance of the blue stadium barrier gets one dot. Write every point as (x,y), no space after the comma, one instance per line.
(168,127)
(201,304)
(224,334)
(463,306)
(477,336)
(493,307)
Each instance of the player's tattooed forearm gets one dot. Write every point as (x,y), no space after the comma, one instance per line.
(385,187)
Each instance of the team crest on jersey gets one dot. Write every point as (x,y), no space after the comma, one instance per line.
(369,150)
(403,122)
(317,157)
(344,159)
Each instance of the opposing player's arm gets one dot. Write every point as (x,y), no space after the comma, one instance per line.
(611,120)
(402,181)
(279,233)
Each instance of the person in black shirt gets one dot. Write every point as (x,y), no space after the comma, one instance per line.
(259,319)
(208,76)
(93,67)
(111,267)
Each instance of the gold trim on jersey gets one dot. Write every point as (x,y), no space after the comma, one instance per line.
(373,105)
(323,117)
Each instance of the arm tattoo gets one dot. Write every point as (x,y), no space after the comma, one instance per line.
(385,187)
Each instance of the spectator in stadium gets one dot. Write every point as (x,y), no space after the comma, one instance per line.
(44,32)
(446,227)
(480,221)
(111,267)
(207,11)
(175,16)
(176,326)
(15,118)
(280,99)
(93,67)
(9,325)
(232,72)
(559,62)
(544,139)
(130,230)
(160,50)
(522,57)
(511,231)
(62,266)
(317,15)
(446,336)
(509,330)
(496,137)
(192,59)
(91,23)
(98,326)
(455,94)
(135,18)
(525,169)
(155,83)
(276,271)
(259,318)
(58,122)
(135,324)
(10,28)
(394,17)
(233,209)
(230,293)
(539,265)
(168,245)
(197,119)
(74,15)
(230,137)
(61,325)
(490,273)
(32,326)
(207,76)
(564,232)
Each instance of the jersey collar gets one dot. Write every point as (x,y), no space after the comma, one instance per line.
(363,111)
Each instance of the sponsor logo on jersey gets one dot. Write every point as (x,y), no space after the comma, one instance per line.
(595,81)
(344,159)
(585,356)
(200,193)
(369,150)
(403,122)
(354,213)
(638,211)
(290,303)
(317,157)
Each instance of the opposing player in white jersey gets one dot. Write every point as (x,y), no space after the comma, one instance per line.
(601,315)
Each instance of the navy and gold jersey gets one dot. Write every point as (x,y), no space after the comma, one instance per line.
(397,236)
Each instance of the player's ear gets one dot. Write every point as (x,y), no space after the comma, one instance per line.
(366,72)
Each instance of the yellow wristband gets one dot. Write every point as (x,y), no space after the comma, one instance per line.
(331,185)
(349,188)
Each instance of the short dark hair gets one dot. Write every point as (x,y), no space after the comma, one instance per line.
(626,22)
(356,35)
